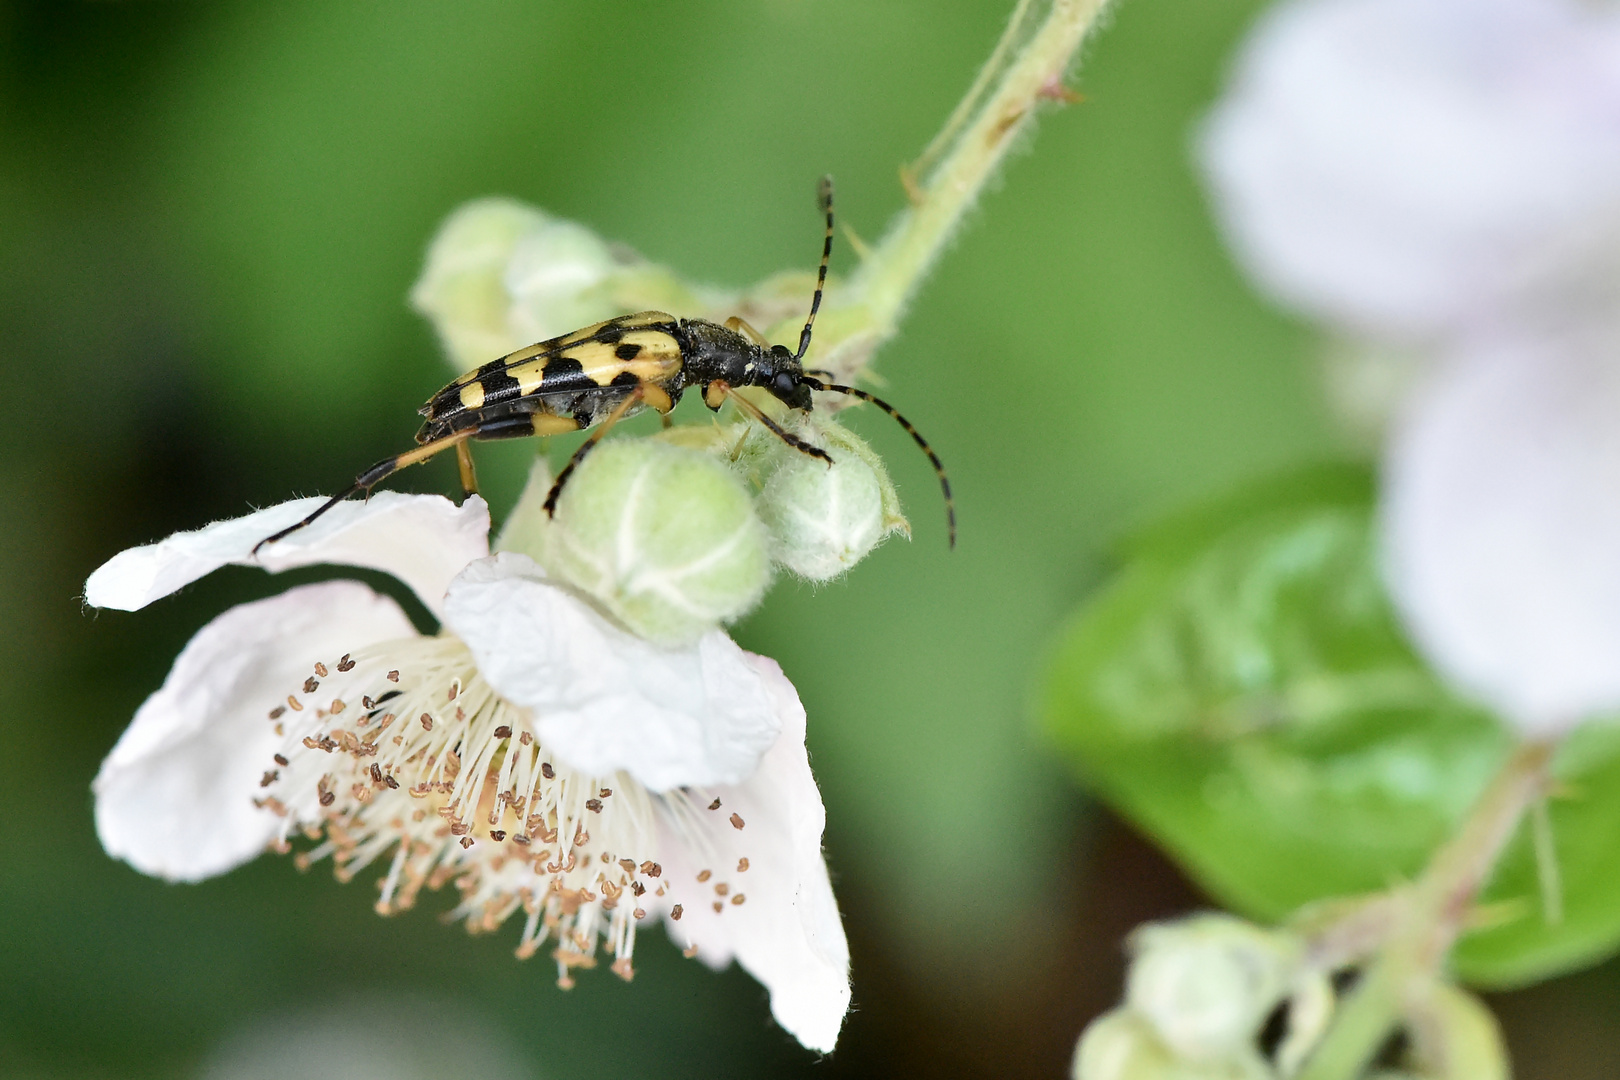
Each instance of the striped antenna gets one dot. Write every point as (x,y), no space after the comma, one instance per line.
(824,200)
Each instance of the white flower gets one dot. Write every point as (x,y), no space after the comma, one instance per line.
(1445,175)
(546,762)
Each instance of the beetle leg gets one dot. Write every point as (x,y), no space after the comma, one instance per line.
(740,325)
(371,477)
(632,398)
(725,390)
(464,463)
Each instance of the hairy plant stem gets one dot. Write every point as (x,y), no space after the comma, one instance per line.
(1028,66)
(1431,914)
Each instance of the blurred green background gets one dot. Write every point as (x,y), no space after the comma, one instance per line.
(209,219)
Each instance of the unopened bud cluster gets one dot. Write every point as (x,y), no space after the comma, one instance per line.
(677,534)
(1213,997)
(501,275)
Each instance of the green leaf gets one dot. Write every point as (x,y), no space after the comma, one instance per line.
(1243,692)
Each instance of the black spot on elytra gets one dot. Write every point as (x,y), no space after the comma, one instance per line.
(624,378)
(628,351)
(559,368)
(610,335)
(498,386)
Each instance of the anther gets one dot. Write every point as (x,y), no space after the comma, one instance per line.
(503,732)
(605,792)
(311,685)
(270,777)
(742,864)
(525,738)
(393,676)
(715,805)
(337,705)
(292,703)
(547,771)
(320,669)
(675,913)
(497,835)
(736,821)
(705,875)
(719,907)
(738,899)
(427,722)
(466,841)
(280,760)
(376,773)
(276,713)
(721,889)
(345,664)
(652,869)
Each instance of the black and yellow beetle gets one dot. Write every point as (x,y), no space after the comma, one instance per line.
(597,376)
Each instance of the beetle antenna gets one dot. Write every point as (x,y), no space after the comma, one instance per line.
(939,467)
(824,194)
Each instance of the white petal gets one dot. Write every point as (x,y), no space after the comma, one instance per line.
(1398,165)
(605,699)
(787,934)
(1501,526)
(424,540)
(175,797)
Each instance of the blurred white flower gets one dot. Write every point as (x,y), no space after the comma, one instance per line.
(544,760)
(1443,176)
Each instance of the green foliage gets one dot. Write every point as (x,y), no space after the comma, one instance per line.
(1242,691)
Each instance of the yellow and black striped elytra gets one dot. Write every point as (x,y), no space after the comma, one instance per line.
(595,377)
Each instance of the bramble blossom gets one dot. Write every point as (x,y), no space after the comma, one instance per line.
(554,767)
(1442,178)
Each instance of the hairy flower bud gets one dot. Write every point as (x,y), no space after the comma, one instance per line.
(662,536)
(462,288)
(1122,1045)
(501,275)
(823,519)
(1453,1036)
(560,278)
(1207,983)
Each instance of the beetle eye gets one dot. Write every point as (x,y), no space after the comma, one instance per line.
(785,383)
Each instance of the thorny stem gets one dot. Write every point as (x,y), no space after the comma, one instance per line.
(1028,65)
(1431,918)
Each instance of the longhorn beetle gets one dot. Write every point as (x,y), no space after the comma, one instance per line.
(597,376)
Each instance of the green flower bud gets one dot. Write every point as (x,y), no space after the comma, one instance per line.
(529,529)
(501,275)
(1206,983)
(560,278)
(1122,1045)
(462,288)
(822,519)
(1455,1037)
(662,536)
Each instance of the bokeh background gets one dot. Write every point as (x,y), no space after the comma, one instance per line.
(210,215)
